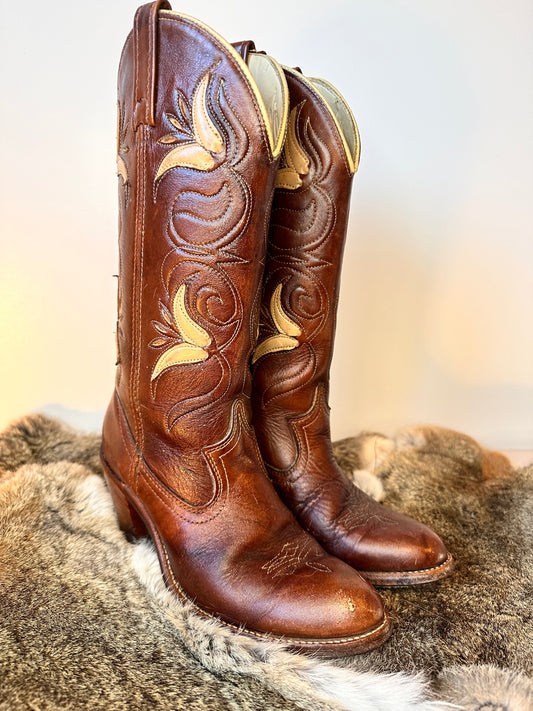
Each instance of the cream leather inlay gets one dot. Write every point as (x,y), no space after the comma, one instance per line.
(195,338)
(288,332)
(196,153)
(282,322)
(270,82)
(179,355)
(122,171)
(206,133)
(294,161)
(275,141)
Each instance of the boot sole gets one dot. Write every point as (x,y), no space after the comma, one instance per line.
(136,523)
(409,577)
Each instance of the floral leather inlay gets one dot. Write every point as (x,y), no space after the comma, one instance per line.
(202,138)
(192,349)
(287,336)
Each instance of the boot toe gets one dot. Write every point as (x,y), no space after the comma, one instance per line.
(402,553)
(309,599)
(339,613)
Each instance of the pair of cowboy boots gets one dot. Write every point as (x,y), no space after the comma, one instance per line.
(220,272)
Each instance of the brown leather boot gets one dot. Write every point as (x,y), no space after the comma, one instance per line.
(291,363)
(200,135)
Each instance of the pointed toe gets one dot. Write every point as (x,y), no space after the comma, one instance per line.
(406,553)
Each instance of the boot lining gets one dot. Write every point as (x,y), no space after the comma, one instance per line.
(342,113)
(267,76)
(275,87)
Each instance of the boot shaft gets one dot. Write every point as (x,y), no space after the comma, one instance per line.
(302,275)
(292,360)
(198,147)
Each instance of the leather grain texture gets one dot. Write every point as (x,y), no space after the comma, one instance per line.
(179,450)
(293,358)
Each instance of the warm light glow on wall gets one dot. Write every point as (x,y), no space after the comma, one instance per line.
(437,292)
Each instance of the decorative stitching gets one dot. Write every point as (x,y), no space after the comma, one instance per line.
(144,138)
(195,339)
(290,558)
(294,163)
(287,334)
(171,420)
(216,241)
(242,125)
(169,500)
(238,424)
(309,87)
(237,68)
(298,424)
(265,635)
(266,400)
(206,142)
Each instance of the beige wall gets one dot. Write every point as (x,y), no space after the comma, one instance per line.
(437,297)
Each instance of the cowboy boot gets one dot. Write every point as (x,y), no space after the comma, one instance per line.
(292,361)
(200,135)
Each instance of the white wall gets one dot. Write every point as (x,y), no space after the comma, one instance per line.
(437,297)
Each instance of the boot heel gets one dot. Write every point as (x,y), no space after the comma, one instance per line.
(128,518)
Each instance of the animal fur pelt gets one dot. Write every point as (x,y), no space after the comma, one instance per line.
(87,623)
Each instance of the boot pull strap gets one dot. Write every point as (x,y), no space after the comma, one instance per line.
(145,44)
(244,48)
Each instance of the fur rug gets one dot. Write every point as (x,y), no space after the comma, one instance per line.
(87,623)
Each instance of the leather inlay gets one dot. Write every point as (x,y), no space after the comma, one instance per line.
(294,161)
(286,338)
(194,338)
(202,137)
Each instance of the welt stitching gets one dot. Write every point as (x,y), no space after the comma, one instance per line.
(266,635)
(412,573)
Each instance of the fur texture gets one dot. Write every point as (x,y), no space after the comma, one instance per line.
(86,621)
(487,688)
(482,613)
